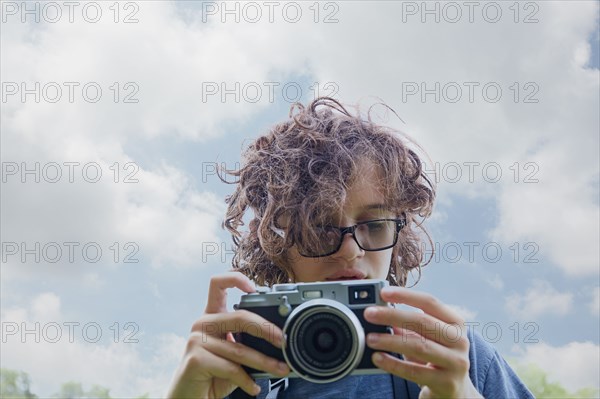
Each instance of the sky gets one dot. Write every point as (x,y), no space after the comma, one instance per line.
(114,113)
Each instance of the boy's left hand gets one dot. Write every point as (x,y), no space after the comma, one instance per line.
(434,344)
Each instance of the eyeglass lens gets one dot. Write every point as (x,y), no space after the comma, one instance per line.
(371,235)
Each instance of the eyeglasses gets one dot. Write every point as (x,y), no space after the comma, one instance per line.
(370,235)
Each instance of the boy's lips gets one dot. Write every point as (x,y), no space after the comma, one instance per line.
(348,274)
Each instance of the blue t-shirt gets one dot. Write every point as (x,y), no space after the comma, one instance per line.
(489,372)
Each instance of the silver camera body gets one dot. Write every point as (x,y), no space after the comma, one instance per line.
(323,325)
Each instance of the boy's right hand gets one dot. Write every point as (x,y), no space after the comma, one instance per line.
(212,362)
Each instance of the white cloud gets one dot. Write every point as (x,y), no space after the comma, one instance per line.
(168,59)
(45,307)
(542,298)
(465,313)
(496,282)
(575,365)
(54,360)
(559,213)
(170,218)
(163,216)
(93,282)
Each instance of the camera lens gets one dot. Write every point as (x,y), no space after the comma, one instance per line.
(325,340)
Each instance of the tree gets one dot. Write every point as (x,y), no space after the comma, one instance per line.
(98,392)
(536,380)
(70,390)
(15,384)
(74,390)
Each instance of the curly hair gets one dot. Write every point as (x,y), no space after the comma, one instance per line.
(300,171)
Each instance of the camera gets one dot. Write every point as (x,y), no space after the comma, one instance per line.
(323,327)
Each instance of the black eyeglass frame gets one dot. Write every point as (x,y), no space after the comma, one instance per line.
(400,224)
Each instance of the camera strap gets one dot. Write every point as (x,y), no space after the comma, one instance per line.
(404,389)
(275,386)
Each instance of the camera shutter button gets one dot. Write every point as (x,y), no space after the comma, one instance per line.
(284,308)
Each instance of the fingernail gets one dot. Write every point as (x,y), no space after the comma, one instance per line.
(282,367)
(372,338)
(377,357)
(255,389)
(279,340)
(370,312)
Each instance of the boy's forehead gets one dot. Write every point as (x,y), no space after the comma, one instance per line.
(352,215)
(364,197)
(375,207)
(353,210)
(366,193)
(366,187)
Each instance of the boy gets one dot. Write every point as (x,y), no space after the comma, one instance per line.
(336,197)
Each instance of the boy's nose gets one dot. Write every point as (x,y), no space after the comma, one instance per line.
(349,249)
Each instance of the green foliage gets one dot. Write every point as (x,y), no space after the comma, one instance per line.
(74,390)
(15,384)
(98,392)
(536,380)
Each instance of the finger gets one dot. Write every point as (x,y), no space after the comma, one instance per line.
(225,369)
(425,393)
(220,324)
(245,355)
(420,374)
(428,303)
(415,346)
(449,335)
(414,359)
(217,291)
